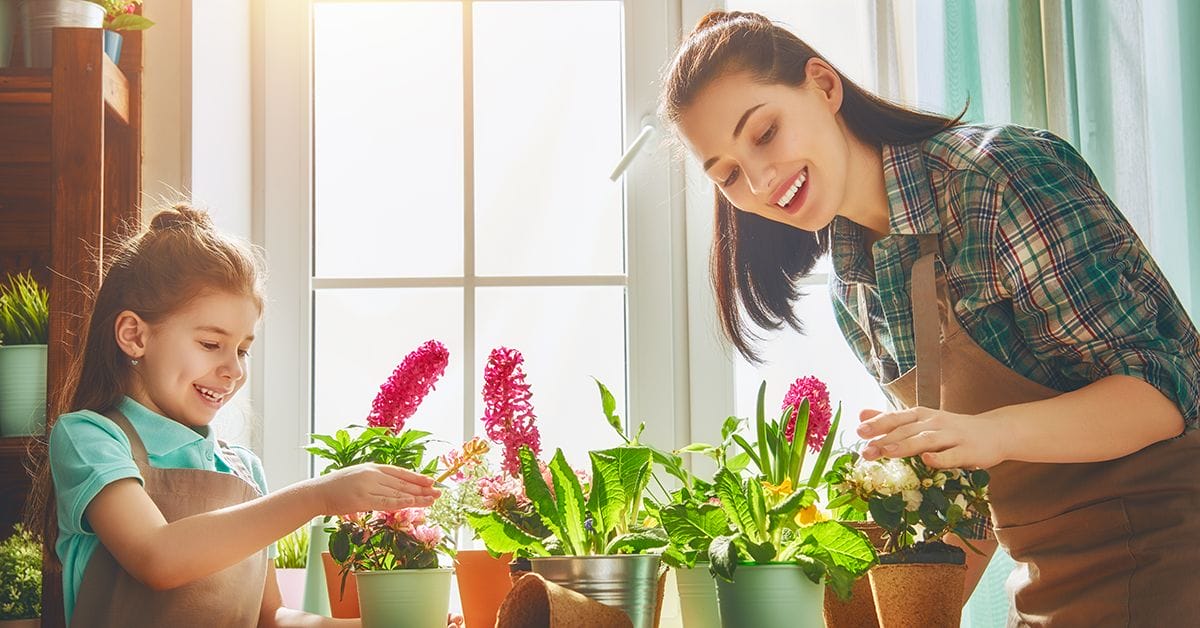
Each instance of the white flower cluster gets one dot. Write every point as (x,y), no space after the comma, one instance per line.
(889,476)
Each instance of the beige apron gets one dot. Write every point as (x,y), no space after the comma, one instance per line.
(1113,543)
(109,596)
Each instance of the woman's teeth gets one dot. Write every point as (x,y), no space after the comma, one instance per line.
(210,394)
(791,192)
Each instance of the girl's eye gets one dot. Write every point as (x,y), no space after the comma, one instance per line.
(767,137)
(242,353)
(210,346)
(731,179)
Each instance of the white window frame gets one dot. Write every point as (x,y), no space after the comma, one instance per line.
(657,295)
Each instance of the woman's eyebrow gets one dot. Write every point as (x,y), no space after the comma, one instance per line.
(737,130)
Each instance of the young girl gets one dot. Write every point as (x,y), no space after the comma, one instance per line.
(991,287)
(159,523)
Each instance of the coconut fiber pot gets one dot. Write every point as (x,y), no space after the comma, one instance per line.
(920,586)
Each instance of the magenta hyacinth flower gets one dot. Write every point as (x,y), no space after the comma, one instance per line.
(508,416)
(400,395)
(820,414)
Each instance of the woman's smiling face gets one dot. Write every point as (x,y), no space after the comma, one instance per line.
(779,151)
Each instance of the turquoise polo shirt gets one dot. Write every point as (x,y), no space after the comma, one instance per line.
(88,452)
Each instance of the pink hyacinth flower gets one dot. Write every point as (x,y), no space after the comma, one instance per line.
(508,416)
(820,414)
(400,395)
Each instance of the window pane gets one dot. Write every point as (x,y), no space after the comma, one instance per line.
(548,103)
(568,335)
(388,139)
(821,352)
(360,337)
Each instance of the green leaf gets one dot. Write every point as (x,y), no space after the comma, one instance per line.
(734,501)
(637,542)
(693,527)
(723,556)
(799,500)
(569,496)
(609,405)
(758,510)
(839,545)
(738,463)
(339,546)
(749,451)
(819,467)
(729,427)
(128,22)
(761,552)
(764,460)
(697,448)
(980,478)
(887,518)
(799,444)
(502,536)
(539,493)
(619,476)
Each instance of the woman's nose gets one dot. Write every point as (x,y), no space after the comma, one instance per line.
(761,179)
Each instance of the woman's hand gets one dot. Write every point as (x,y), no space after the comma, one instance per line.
(944,440)
(371,486)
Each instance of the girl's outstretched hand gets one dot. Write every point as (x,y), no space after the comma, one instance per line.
(371,486)
(944,440)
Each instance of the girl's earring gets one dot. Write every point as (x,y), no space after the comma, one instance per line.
(133,361)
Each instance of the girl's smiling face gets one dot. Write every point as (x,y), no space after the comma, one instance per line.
(192,361)
(776,150)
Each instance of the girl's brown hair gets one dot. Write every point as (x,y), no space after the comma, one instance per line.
(154,273)
(755,262)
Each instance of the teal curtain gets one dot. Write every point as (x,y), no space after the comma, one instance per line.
(1113,77)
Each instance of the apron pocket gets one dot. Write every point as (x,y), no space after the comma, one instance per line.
(1075,568)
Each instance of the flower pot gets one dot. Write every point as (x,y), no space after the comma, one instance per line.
(698,597)
(627,582)
(316,594)
(8,28)
(112,45)
(291,586)
(859,610)
(770,595)
(340,604)
(404,598)
(920,586)
(39,18)
(483,582)
(22,390)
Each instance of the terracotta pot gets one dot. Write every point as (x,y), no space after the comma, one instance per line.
(345,606)
(859,610)
(920,588)
(483,582)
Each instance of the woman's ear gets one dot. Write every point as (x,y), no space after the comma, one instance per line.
(131,332)
(822,75)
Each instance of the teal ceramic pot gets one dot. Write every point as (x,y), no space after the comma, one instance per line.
(22,390)
(771,595)
(698,597)
(112,45)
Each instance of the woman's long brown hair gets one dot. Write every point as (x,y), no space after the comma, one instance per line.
(755,262)
(153,273)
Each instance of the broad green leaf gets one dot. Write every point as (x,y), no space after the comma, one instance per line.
(738,463)
(609,404)
(723,556)
(569,498)
(729,427)
(799,500)
(760,552)
(885,517)
(734,502)
(502,536)
(539,493)
(637,542)
(758,510)
(839,545)
(693,528)
(619,476)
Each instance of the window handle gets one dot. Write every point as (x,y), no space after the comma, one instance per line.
(636,147)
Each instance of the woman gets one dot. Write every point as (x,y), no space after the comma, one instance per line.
(991,287)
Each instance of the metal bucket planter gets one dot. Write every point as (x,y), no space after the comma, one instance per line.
(698,597)
(404,598)
(770,595)
(22,390)
(627,582)
(39,18)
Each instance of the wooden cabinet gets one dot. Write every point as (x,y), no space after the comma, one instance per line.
(70,182)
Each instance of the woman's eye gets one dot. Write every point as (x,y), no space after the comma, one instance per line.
(733,174)
(767,137)
(210,346)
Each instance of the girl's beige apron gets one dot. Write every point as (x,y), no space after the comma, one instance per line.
(109,596)
(1113,543)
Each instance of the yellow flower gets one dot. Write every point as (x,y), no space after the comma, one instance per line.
(783,490)
(811,515)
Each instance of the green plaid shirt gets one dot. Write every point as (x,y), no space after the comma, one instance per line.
(1045,273)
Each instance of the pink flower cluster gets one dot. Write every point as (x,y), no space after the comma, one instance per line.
(411,521)
(508,416)
(820,414)
(460,464)
(400,395)
(502,492)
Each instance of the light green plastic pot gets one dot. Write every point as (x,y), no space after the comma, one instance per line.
(771,595)
(405,598)
(698,597)
(22,390)
(316,595)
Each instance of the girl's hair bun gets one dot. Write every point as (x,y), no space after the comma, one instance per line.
(181,215)
(716,18)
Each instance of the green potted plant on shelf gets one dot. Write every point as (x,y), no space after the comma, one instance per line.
(24,321)
(920,578)
(779,551)
(290,563)
(120,15)
(20,580)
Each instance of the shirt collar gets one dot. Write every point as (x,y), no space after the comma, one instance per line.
(911,211)
(159,434)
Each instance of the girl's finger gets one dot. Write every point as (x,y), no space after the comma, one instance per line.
(888,421)
(406,475)
(868,414)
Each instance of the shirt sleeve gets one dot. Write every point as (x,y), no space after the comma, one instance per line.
(87,453)
(255,466)
(1086,294)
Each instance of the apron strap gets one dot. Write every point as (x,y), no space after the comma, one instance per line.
(136,446)
(234,462)
(927,325)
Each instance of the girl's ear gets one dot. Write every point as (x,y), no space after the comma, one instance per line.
(131,333)
(825,78)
